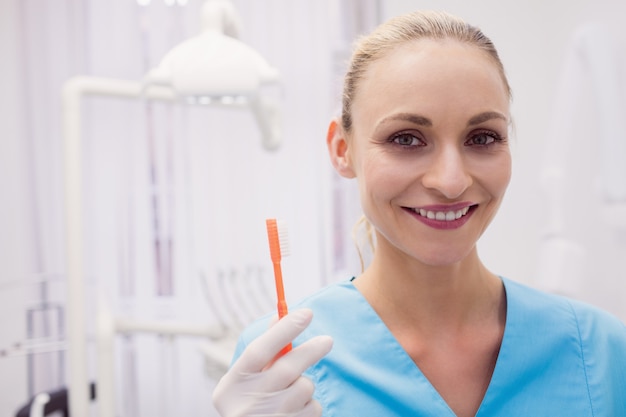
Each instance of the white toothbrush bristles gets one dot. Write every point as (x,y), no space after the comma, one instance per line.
(283,237)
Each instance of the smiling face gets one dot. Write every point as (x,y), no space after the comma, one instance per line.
(428,146)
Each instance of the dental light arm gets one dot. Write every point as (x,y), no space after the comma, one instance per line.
(221,15)
(73,91)
(267,115)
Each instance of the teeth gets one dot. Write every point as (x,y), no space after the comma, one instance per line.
(447,216)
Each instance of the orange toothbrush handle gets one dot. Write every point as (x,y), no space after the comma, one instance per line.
(272,234)
(281,306)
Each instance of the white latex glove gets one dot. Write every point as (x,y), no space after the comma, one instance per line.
(258,385)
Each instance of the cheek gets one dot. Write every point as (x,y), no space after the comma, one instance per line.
(506,172)
(497,175)
(378,176)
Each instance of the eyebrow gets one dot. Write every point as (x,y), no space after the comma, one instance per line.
(483,117)
(425,121)
(409,117)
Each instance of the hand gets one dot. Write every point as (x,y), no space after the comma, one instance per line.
(261,384)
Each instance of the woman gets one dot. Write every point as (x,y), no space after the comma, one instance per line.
(427,329)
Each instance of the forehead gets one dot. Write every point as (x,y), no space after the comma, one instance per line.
(436,72)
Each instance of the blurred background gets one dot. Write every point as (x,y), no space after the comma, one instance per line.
(173,187)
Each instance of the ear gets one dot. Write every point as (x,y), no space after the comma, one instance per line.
(338,150)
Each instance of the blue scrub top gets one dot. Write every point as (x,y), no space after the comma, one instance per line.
(559,357)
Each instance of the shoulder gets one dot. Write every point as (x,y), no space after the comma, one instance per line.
(597,337)
(560,357)
(555,307)
(330,297)
(599,329)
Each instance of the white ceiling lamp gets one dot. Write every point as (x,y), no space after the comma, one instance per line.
(215,66)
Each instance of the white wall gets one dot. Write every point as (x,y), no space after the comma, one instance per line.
(533,38)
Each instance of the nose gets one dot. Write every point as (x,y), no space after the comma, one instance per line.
(447,173)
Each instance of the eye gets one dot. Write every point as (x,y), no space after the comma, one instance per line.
(485,138)
(406,139)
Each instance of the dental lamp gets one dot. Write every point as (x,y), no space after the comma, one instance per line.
(213,68)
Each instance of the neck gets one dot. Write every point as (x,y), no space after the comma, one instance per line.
(434,298)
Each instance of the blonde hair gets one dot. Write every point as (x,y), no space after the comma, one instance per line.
(394,32)
(405,28)
(363,234)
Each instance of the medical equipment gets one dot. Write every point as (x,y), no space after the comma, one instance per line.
(211,69)
(236,297)
(216,68)
(50,403)
(279,247)
(37,409)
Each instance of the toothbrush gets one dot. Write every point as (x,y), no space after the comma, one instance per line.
(279,247)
